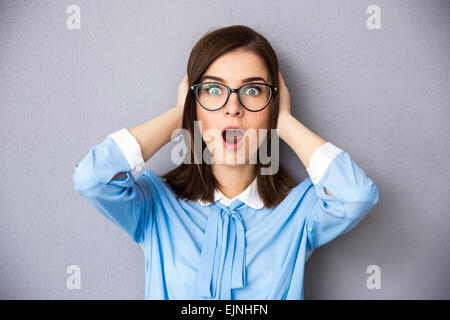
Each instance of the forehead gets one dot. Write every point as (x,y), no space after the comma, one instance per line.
(237,65)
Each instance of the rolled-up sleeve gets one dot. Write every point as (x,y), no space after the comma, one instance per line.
(354,195)
(126,202)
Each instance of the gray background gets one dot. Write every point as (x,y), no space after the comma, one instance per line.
(381,95)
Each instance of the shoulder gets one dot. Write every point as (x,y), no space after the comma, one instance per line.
(157,184)
(164,197)
(301,189)
(297,195)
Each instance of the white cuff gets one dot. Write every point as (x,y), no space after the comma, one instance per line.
(130,148)
(321,159)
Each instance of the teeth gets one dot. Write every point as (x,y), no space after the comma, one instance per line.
(233,131)
(233,135)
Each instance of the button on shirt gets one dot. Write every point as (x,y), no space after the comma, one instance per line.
(231,248)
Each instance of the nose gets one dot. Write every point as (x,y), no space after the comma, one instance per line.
(233,106)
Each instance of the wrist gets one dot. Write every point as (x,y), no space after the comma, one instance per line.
(178,115)
(283,119)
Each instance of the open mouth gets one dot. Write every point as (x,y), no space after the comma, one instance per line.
(232,136)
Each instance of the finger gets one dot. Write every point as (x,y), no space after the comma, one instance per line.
(279,73)
(183,81)
(281,77)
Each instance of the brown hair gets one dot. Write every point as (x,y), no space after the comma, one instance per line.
(196,181)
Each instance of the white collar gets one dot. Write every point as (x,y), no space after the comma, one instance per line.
(249,196)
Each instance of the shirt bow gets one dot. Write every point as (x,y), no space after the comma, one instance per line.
(222,259)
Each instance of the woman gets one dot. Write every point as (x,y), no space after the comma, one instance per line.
(225,229)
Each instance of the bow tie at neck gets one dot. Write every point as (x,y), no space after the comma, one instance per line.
(222,260)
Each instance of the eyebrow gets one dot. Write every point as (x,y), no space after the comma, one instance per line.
(242,81)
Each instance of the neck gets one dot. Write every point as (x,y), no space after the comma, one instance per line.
(234,179)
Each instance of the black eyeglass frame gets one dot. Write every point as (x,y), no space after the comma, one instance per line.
(273,91)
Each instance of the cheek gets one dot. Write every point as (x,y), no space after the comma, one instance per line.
(208,122)
(203,118)
(257,123)
(261,121)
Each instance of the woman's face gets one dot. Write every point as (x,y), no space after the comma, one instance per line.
(232,69)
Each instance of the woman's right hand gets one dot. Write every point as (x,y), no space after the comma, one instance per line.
(183,89)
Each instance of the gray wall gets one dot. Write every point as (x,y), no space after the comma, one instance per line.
(382,95)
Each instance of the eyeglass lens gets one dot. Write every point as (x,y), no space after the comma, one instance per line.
(253,96)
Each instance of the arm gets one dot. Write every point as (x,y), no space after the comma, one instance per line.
(303,141)
(155,133)
(342,193)
(127,203)
(104,176)
(292,132)
(150,136)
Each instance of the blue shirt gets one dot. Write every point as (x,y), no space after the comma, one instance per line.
(232,248)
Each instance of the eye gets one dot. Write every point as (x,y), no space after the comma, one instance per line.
(251,91)
(213,90)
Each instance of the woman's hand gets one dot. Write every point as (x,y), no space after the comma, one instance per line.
(285,101)
(183,89)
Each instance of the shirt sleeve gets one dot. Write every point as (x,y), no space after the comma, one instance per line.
(129,147)
(355,195)
(126,202)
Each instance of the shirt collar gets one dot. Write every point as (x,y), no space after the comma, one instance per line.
(249,196)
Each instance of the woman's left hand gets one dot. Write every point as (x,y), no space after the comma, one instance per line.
(285,100)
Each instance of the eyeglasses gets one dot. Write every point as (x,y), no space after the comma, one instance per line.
(253,96)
